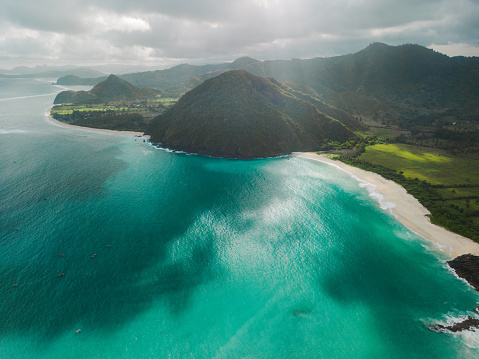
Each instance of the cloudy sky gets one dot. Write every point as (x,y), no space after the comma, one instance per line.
(166,32)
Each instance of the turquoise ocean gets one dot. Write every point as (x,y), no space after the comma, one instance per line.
(169,255)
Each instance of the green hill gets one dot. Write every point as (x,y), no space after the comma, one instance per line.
(112,89)
(409,76)
(164,79)
(381,83)
(72,80)
(240,115)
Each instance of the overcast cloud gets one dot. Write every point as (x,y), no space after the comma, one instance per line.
(160,32)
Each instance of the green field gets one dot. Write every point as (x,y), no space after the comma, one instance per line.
(384,132)
(167,101)
(447,184)
(147,108)
(119,115)
(432,165)
(68,109)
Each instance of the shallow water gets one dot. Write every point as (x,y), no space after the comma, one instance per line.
(169,255)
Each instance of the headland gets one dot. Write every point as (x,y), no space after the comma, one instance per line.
(111,132)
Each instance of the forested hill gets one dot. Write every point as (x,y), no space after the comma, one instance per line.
(381,82)
(239,115)
(402,75)
(112,89)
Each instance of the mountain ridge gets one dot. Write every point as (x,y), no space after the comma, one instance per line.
(111,89)
(240,115)
(379,81)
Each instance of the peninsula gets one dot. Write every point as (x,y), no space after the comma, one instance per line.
(113,104)
(240,115)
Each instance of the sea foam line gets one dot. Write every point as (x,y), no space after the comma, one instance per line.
(24,97)
(470,337)
(371,188)
(6,132)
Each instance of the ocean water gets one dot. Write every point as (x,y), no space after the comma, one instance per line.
(176,256)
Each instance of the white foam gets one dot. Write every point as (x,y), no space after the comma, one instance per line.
(469,337)
(24,97)
(371,188)
(378,197)
(169,150)
(7,132)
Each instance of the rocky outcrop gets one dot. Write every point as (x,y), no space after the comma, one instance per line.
(467,267)
(467,324)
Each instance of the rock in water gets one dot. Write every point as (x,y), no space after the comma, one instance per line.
(467,324)
(467,267)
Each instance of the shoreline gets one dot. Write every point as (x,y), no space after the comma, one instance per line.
(111,132)
(407,209)
(404,207)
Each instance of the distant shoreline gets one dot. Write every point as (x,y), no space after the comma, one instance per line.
(407,209)
(111,132)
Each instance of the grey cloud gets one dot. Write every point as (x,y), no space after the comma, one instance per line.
(44,15)
(96,31)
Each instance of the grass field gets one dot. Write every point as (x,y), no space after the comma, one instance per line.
(145,108)
(68,109)
(455,179)
(167,101)
(432,165)
(385,132)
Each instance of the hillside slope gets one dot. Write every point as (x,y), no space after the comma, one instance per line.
(239,115)
(112,89)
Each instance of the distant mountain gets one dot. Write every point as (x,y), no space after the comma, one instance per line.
(164,79)
(72,80)
(407,76)
(240,115)
(379,82)
(112,89)
(382,80)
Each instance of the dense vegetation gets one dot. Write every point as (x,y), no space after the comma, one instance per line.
(72,80)
(381,83)
(241,115)
(447,185)
(112,104)
(117,115)
(112,121)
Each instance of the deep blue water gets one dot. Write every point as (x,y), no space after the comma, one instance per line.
(195,257)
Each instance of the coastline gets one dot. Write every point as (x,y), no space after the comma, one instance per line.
(111,132)
(407,209)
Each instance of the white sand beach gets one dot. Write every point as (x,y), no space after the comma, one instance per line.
(112,132)
(407,209)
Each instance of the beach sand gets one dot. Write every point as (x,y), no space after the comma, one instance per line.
(407,209)
(111,132)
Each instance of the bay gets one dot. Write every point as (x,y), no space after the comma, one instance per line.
(171,255)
